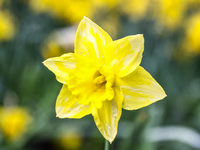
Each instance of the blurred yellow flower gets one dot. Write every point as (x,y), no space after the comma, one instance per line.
(102,77)
(106,3)
(136,9)
(59,42)
(169,13)
(7,28)
(51,49)
(13,122)
(192,35)
(111,23)
(71,10)
(70,140)
(193,2)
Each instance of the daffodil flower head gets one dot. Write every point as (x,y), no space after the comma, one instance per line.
(102,77)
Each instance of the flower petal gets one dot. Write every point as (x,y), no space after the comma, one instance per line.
(61,66)
(124,55)
(90,39)
(67,105)
(140,89)
(107,117)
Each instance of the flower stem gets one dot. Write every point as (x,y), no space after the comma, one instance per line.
(108,146)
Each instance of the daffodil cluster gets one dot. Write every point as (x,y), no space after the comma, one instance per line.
(102,77)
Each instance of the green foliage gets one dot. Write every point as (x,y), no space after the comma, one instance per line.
(25,82)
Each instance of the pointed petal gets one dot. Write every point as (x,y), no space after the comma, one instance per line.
(61,66)
(124,55)
(90,39)
(140,89)
(67,105)
(107,117)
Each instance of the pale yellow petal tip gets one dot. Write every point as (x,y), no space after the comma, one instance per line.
(60,116)
(110,138)
(165,95)
(57,114)
(162,97)
(140,36)
(85,19)
(45,61)
(162,94)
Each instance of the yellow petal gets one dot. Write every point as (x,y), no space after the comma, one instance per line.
(90,39)
(61,66)
(67,105)
(140,89)
(107,117)
(124,55)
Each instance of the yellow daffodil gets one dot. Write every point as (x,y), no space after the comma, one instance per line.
(169,13)
(14,122)
(7,29)
(51,49)
(70,10)
(192,35)
(102,77)
(136,9)
(106,3)
(70,139)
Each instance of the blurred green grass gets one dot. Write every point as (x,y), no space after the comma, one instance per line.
(26,83)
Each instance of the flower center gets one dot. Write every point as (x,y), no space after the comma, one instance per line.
(99,80)
(91,85)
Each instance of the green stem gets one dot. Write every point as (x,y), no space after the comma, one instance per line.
(108,146)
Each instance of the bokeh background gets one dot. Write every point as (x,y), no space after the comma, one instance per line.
(34,30)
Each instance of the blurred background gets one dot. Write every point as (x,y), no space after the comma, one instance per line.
(34,30)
